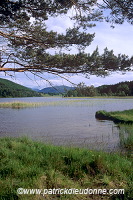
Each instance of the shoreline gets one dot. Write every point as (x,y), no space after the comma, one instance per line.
(125,116)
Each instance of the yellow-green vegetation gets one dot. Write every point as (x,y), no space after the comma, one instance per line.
(17,104)
(125,116)
(29,164)
(68,101)
(20,104)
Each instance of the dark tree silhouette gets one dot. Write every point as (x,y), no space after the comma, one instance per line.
(29,42)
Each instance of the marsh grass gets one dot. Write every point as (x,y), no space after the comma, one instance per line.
(126,136)
(20,104)
(17,104)
(125,116)
(29,164)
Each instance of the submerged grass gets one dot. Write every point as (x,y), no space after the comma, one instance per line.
(126,136)
(29,164)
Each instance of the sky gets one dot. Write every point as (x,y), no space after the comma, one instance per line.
(120,39)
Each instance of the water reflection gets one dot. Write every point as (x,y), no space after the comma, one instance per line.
(65,122)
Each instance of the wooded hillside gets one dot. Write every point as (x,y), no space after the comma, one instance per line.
(119,89)
(11,89)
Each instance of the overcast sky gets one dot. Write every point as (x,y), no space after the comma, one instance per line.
(120,39)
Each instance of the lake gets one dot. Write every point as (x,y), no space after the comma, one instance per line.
(65,121)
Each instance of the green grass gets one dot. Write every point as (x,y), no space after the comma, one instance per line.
(125,116)
(29,164)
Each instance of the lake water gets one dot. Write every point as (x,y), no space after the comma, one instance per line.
(65,121)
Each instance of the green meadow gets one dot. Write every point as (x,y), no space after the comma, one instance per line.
(29,164)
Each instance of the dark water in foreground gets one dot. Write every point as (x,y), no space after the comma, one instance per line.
(65,121)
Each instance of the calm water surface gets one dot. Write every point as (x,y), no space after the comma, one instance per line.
(65,121)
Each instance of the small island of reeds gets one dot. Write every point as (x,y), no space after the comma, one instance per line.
(18,104)
(23,104)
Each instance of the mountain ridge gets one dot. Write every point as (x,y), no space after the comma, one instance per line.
(56,89)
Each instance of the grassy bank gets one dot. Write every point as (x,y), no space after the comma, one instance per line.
(125,120)
(125,116)
(28,164)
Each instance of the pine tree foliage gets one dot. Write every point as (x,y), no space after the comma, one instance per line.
(30,42)
(120,10)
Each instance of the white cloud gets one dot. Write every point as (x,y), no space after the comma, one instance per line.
(97,81)
(59,24)
(118,39)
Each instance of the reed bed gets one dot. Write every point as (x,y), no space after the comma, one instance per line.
(20,104)
(126,136)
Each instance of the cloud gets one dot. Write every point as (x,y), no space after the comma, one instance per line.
(118,39)
(59,24)
(97,81)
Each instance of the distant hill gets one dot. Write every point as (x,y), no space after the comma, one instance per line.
(35,89)
(11,89)
(119,89)
(56,89)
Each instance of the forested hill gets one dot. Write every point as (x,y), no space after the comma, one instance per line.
(119,89)
(11,89)
(56,89)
